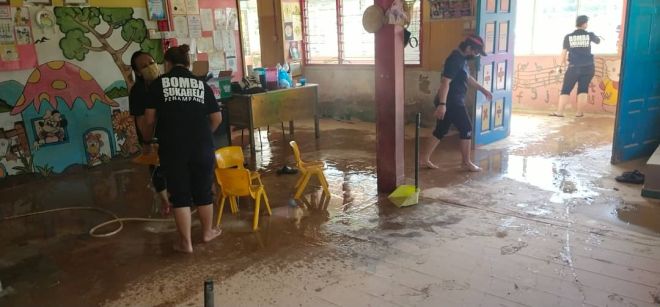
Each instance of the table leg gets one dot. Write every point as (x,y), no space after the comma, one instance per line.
(253,150)
(316,127)
(291,128)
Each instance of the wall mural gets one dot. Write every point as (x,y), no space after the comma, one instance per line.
(72,109)
(537,84)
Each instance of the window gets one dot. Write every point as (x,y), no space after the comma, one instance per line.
(542,32)
(250,32)
(334,32)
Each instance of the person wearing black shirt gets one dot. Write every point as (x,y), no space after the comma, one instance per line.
(450,101)
(187,115)
(146,70)
(577,45)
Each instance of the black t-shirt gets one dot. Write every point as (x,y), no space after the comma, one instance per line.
(137,101)
(578,45)
(457,70)
(182,104)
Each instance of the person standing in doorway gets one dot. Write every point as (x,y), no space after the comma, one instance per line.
(581,68)
(187,116)
(146,71)
(450,101)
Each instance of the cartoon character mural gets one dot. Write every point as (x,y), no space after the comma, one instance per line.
(97,146)
(62,100)
(62,116)
(610,82)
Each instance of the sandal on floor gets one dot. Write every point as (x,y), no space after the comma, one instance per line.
(635,177)
(555,114)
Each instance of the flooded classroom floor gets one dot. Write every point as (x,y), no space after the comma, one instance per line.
(545,224)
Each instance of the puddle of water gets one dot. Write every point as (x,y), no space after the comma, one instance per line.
(644,216)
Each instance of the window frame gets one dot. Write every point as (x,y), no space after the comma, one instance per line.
(340,38)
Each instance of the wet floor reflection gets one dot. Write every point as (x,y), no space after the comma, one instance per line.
(52,257)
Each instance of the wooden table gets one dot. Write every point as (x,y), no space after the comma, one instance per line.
(273,107)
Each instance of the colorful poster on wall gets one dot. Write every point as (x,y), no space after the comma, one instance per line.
(23,35)
(192,7)
(288,31)
(194,26)
(503,41)
(220,19)
(232,64)
(205,45)
(499,113)
(289,9)
(218,41)
(490,38)
(5,12)
(21,16)
(217,61)
(447,9)
(9,53)
(297,27)
(207,19)
(156,9)
(232,19)
(6,32)
(178,7)
(181,26)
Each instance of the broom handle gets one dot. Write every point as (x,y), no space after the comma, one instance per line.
(418,123)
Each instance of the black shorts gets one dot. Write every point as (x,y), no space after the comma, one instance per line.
(459,117)
(189,176)
(581,75)
(158,178)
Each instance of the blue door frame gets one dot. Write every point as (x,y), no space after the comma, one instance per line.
(637,128)
(496,25)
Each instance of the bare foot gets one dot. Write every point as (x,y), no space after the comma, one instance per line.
(182,247)
(471,167)
(430,165)
(214,233)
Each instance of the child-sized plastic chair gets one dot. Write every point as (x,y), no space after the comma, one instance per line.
(236,183)
(232,157)
(307,170)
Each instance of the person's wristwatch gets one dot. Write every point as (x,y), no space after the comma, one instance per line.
(442,103)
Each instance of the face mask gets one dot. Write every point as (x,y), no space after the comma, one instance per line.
(150,72)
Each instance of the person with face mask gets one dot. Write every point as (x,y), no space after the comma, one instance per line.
(146,71)
(187,116)
(581,68)
(449,102)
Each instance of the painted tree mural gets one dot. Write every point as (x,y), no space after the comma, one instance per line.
(82,36)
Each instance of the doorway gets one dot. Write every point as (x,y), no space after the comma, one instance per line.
(537,75)
(250,34)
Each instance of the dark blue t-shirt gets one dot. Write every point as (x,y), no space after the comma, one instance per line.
(457,70)
(578,45)
(182,104)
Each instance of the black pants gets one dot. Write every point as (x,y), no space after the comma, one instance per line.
(459,117)
(189,175)
(581,75)
(158,178)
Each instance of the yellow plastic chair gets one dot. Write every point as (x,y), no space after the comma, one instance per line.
(232,157)
(307,170)
(236,183)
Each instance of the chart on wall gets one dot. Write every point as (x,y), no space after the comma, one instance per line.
(17,49)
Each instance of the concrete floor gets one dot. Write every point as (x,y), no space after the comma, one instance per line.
(544,225)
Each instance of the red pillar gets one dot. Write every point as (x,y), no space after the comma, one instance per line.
(389,104)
